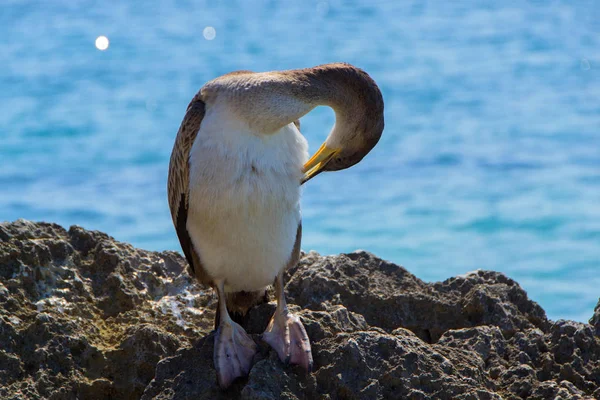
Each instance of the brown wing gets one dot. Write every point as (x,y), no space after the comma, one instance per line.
(295,255)
(179,177)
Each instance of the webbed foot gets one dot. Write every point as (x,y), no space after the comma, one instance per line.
(233,352)
(287,336)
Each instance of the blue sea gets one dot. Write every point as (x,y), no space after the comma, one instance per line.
(490,157)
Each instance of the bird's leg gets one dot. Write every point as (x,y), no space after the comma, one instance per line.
(286,334)
(234,349)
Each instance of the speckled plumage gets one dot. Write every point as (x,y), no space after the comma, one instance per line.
(178,181)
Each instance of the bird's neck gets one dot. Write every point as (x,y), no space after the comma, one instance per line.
(269,101)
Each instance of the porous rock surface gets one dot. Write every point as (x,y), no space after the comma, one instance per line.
(83,316)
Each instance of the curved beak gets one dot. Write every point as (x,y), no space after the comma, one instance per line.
(317,162)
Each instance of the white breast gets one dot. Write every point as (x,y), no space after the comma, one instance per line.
(244,206)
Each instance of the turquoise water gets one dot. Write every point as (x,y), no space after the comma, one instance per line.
(490,157)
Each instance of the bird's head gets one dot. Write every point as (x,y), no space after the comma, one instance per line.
(359,123)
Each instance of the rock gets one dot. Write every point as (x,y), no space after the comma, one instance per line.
(388,296)
(85,316)
(595,320)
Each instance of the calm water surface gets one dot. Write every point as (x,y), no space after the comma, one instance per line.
(490,157)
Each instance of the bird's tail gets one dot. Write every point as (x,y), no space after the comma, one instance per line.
(238,304)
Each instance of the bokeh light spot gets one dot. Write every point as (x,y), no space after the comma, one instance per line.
(102,43)
(209,33)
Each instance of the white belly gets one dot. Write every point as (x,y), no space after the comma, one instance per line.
(244,205)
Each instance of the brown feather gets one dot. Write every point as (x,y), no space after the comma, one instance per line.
(178,183)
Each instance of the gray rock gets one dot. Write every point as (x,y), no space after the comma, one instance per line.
(595,320)
(85,316)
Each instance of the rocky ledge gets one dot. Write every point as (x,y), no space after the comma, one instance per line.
(84,316)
